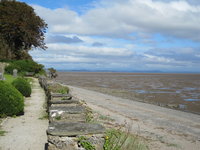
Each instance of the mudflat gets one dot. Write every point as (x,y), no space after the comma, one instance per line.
(176,91)
(163,128)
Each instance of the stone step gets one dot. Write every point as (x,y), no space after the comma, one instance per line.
(74,129)
(64,118)
(63,101)
(69,109)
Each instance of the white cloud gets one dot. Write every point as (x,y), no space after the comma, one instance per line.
(99,51)
(120,18)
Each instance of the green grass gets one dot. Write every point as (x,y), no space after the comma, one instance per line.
(2,133)
(119,140)
(9,78)
(58,88)
(102,117)
(44,116)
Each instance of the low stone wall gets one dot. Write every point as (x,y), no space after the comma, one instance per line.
(68,122)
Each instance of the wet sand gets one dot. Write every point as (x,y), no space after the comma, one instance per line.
(177,91)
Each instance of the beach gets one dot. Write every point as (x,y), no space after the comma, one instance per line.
(161,127)
(176,91)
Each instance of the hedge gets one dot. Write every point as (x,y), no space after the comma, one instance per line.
(23,86)
(11,100)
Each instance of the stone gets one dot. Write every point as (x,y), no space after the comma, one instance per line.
(68,118)
(62,143)
(63,101)
(15,73)
(76,109)
(74,129)
(1,76)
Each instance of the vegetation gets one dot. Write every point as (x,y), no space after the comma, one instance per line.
(58,117)
(58,88)
(11,100)
(24,66)
(118,140)
(89,115)
(20,30)
(52,73)
(9,78)
(85,143)
(23,86)
(2,133)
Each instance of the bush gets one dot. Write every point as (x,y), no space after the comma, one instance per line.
(24,66)
(11,100)
(23,86)
(9,69)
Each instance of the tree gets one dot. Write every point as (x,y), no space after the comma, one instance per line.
(20,27)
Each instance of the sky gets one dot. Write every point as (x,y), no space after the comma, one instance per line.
(120,35)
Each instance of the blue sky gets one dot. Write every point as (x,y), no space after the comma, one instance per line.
(120,35)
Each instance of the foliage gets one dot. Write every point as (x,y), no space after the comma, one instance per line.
(2,133)
(89,115)
(118,140)
(85,143)
(52,73)
(20,28)
(58,117)
(23,86)
(57,88)
(11,100)
(9,78)
(24,66)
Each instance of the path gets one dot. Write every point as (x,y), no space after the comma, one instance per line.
(168,129)
(27,132)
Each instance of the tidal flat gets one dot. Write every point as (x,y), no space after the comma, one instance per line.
(176,91)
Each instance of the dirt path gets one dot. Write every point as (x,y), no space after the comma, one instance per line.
(167,129)
(27,132)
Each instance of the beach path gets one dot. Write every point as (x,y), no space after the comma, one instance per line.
(166,129)
(27,132)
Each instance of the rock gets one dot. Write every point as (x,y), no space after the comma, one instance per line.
(64,101)
(75,109)
(74,129)
(62,143)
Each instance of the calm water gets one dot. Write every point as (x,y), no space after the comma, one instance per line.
(177,91)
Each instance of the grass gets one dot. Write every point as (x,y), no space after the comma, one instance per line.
(58,117)
(89,115)
(102,117)
(2,133)
(57,88)
(85,143)
(44,116)
(119,140)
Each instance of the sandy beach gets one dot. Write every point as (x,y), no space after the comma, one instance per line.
(164,128)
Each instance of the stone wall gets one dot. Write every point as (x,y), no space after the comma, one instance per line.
(68,122)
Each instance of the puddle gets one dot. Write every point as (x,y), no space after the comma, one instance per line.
(189,89)
(182,106)
(154,92)
(191,100)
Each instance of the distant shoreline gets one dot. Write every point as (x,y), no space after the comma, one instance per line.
(137,72)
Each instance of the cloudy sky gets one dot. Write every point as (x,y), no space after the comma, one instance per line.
(120,35)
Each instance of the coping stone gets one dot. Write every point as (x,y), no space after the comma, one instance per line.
(74,129)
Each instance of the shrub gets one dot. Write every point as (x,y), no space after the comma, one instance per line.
(23,86)
(11,100)
(24,66)
(9,69)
